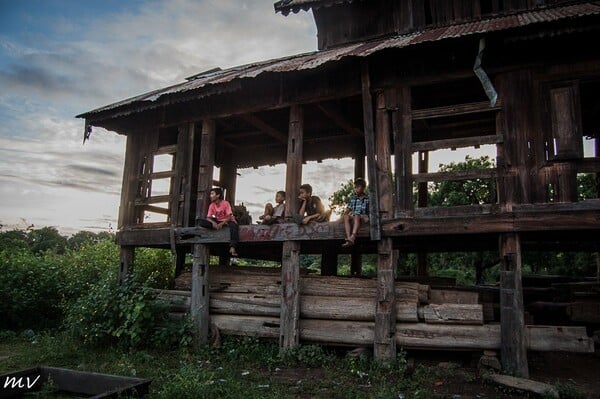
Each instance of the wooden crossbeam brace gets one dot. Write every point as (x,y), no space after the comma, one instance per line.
(339,120)
(264,127)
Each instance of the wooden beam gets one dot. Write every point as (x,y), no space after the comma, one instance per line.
(512,322)
(368,121)
(453,110)
(339,119)
(456,143)
(456,175)
(264,127)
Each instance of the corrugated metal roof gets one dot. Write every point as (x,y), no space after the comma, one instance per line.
(228,80)
(285,6)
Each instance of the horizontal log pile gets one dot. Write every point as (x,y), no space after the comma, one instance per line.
(341,311)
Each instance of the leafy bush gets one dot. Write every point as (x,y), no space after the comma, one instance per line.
(153,267)
(36,286)
(129,316)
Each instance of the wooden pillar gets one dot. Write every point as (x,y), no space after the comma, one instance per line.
(422,203)
(206,167)
(359,171)
(384,346)
(359,162)
(293,176)
(355,263)
(368,123)
(126,266)
(518,125)
(402,128)
(289,319)
(289,335)
(133,152)
(200,297)
(180,261)
(329,260)
(228,180)
(512,324)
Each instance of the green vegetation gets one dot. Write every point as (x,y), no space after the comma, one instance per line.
(239,368)
(469,268)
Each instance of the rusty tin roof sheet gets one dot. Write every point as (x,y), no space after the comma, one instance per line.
(285,6)
(223,81)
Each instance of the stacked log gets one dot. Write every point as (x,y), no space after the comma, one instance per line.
(341,311)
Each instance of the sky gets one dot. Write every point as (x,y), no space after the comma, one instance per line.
(61,58)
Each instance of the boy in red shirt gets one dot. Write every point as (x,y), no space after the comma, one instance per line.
(220,214)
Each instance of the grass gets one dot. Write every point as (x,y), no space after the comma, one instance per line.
(241,367)
(248,368)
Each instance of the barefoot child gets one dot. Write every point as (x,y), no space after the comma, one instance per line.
(356,212)
(275,214)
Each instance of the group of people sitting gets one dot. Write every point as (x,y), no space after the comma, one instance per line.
(311,209)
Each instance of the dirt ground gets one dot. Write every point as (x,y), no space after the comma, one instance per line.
(461,379)
(581,371)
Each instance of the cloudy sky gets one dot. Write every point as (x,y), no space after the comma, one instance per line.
(60,58)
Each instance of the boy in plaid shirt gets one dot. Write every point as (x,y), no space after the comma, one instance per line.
(356,212)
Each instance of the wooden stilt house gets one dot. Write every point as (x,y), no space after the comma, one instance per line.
(391,82)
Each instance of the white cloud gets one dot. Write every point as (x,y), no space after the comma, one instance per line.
(46,176)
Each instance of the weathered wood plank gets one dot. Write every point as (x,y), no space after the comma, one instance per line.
(540,388)
(451,313)
(439,296)
(410,335)
(453,110)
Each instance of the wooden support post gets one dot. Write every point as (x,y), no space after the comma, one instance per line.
(402,128)
(359,171)
(289,335)
(359,162)
(329,260)
(383,158)
(368,122)
(422,203)
(126,267)
(355,263)
(180,261)
(130,181)
(200,297)
(289,324)
(512,324)
(228,180)
(206,167)
(293,176)
(384,346)
(518,125)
